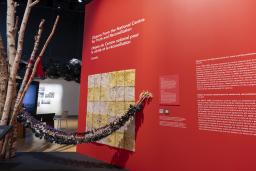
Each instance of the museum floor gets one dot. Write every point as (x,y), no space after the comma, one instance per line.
(35,154)
(32,144)
(58,161)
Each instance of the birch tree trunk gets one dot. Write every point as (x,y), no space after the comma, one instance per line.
(10,28)
(13,56)
(15,65)
(3,76)
(10,145)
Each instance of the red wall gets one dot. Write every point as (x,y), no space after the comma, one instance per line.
(175,34)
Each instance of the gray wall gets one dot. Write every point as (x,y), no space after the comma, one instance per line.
(66,96)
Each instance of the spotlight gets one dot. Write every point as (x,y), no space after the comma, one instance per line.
(80,1)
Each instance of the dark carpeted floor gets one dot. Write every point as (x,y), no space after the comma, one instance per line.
(54,162)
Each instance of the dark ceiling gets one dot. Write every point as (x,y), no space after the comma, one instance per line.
(70,5)
(67,42)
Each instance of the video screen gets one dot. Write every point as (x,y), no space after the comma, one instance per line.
(30,98)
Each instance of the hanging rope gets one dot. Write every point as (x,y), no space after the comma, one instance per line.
(50,134)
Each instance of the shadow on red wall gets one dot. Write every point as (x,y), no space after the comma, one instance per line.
(121,156)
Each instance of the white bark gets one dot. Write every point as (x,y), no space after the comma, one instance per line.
(10,28)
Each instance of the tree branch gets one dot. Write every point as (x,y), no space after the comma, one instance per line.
(35,66)
(50,36)
(34,3)
(29,66)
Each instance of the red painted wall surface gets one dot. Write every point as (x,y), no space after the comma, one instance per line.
(175,34)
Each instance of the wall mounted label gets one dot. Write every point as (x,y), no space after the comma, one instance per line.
(226,98)
(172,121)
(116,37)
(169,90)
